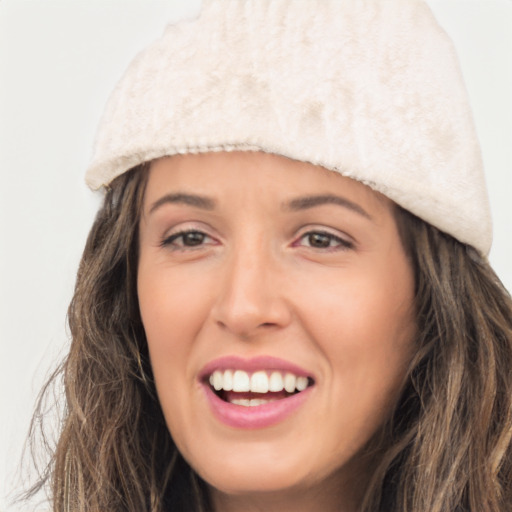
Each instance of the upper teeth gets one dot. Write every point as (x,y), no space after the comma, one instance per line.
(258,382)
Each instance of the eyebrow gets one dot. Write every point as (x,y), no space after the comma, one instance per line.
(304,203)
(203,202)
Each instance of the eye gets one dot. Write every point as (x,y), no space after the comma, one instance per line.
(187,239)
(324,240)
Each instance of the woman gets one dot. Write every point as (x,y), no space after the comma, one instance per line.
(284,302)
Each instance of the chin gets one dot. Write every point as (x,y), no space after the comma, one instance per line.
(262,469)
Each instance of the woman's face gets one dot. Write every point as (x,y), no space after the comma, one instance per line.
(286,287)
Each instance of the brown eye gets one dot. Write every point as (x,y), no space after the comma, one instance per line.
(324,240)
(186,239)
(319,240)
(193,238)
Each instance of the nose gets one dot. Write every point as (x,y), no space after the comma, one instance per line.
(252,297)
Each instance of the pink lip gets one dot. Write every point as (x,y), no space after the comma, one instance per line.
(261,416)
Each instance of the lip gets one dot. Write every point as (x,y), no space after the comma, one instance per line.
(262,416)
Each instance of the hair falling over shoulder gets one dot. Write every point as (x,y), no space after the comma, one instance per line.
(114,452)
(447,446)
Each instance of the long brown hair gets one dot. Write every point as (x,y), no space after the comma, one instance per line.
(447,446)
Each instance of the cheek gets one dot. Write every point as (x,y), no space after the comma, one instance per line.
(172,308)
(172,313)
(364,324)
(365,312)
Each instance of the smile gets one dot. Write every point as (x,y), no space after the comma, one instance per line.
(254,393)
(254,389)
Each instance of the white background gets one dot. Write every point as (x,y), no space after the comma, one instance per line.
(58,62)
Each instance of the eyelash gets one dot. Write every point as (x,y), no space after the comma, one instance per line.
(171,240)
(341,243)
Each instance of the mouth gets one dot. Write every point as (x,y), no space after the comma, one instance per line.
(255,393)
(258,388)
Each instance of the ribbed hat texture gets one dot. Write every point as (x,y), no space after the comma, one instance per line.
(371,89)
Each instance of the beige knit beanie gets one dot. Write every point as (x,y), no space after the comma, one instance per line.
(371,89)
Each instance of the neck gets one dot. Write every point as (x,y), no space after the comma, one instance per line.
(274,503)
(329,496)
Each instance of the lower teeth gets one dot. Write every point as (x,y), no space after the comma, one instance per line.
(252,402)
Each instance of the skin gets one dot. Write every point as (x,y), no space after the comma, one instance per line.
(259,282)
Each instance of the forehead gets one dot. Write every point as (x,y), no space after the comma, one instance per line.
(249,175)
